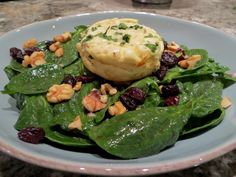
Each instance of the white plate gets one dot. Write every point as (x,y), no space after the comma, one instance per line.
(183,154)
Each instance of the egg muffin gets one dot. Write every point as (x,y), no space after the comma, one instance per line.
(121,49)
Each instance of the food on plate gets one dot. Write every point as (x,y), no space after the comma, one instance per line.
(116,85)
(121,49)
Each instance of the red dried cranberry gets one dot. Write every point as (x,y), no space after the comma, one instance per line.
(69,79)
(161,72)
(16,54)
(132,97)
(136,93)
(170,90)
(169,59)
(128,102)
(29,51)
(171,101)
(84,79)
(31,135)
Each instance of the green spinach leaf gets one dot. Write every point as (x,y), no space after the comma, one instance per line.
(142,132)
(35,80)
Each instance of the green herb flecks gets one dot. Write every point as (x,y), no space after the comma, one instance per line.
(136,27)
(104,36)
(149,36)
(122,26)
(94,28)
(88,38)
(152,47)
(126,38)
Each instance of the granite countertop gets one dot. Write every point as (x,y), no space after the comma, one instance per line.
(220,14)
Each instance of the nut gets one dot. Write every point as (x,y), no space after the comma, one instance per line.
(190,62)
(59,93)
(104,98)
(53,47)
(76,124)
(116,109)
(173,46)
(59,52)
(225,102)
(77,86)
(92,101)
(30,43)
(35,59)
(66,36)
(108,88)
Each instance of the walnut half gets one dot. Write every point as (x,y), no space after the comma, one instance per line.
(59,93)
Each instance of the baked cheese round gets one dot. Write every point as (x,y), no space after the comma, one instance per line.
(121,49)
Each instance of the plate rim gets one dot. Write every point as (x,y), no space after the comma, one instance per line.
(107,169)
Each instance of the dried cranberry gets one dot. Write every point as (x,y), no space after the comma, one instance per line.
(171,101)
(128,102)
(161,72)
(170,90)
(29,51)
(136,93)
(132,97)
(16,54)
(169,59)
(48,43)
(69,79)
(31,134)
(84,79)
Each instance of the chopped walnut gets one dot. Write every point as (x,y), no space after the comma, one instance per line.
(190,62)
(59,52)
(92,101)
(77,86)
(76,124)
(35,59)
(30,43)
(66,36)
(226,102)
(59,93)
(173,47)
(104,98)
(116,109)
(108,88)
(54,46)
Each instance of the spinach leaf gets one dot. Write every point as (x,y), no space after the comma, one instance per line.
(195,124)
(77,69)
(206,95)
(67,138)
(66,112)
(70,51)
(37,112)
(142,132)
(226,79)
(10,72)
(17,66)
(35,80)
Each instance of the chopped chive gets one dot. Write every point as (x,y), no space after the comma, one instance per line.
(149,36)
(126,38)
(136,27)
(152,47)
(94,28)
(88,38)
(122,26)
(115,27)
(118,33)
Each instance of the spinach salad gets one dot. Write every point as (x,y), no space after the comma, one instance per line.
(173,103)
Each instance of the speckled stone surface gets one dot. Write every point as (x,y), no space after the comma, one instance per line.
(220,14)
